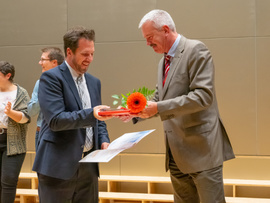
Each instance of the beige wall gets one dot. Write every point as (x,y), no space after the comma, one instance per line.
(237,33)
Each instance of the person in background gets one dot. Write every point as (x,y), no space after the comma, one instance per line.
(50,58)
(70,99)
(13,128)
(185,99)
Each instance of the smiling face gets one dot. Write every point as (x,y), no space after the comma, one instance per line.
(83,56)
(46,63)
(154,37)
(4,80)
(7,72)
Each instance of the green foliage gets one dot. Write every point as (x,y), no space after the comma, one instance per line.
(123,98)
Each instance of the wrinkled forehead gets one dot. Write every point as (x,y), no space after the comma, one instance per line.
(148,28)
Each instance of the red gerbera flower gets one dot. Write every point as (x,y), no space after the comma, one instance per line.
(136,102)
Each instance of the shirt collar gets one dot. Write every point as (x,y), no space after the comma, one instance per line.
(74,74)
(174,46)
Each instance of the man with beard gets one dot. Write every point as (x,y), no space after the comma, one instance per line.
(70,99)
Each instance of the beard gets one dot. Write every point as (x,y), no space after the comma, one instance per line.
(78,67)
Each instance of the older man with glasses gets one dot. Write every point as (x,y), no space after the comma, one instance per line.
(50,58)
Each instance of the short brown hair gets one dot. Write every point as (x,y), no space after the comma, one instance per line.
(54,53)
(6,67)
(72,37)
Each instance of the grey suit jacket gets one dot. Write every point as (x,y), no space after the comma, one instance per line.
(187,105)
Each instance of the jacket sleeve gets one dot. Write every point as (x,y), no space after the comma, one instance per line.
(59,107)
(33,106)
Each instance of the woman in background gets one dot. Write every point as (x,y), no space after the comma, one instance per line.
(13,127)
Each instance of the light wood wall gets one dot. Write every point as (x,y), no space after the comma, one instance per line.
(237,32)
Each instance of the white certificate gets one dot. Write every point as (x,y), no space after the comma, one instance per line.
(126,141)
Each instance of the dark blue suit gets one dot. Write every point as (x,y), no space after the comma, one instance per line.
(62,134)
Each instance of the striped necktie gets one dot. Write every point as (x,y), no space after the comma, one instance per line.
(166,67)
(86,103)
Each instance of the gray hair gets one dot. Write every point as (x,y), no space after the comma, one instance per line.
(160,18)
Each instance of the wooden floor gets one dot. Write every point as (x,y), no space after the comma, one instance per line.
(112,193)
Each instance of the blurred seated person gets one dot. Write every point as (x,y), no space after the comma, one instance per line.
(13,127)
(50,58)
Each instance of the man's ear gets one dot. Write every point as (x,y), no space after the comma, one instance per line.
(55,63)
(166,28)
(69,52)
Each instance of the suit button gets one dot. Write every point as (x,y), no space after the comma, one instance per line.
(82,146)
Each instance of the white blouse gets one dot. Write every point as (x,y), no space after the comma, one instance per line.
(6,97)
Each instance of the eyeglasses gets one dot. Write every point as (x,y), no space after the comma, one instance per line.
(44,60)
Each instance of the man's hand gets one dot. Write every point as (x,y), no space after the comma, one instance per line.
(105,145)
(149,111)
(126,118)
(97,109)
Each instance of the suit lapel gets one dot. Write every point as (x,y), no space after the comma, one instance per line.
(160,78)
(68,77)
(90,88)
(174,64)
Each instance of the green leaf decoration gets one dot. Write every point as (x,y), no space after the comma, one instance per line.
(115,96)
(123,98)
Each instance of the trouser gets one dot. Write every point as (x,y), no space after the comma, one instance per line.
(81,188)
(200,187)
(36,139)
(10,167)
